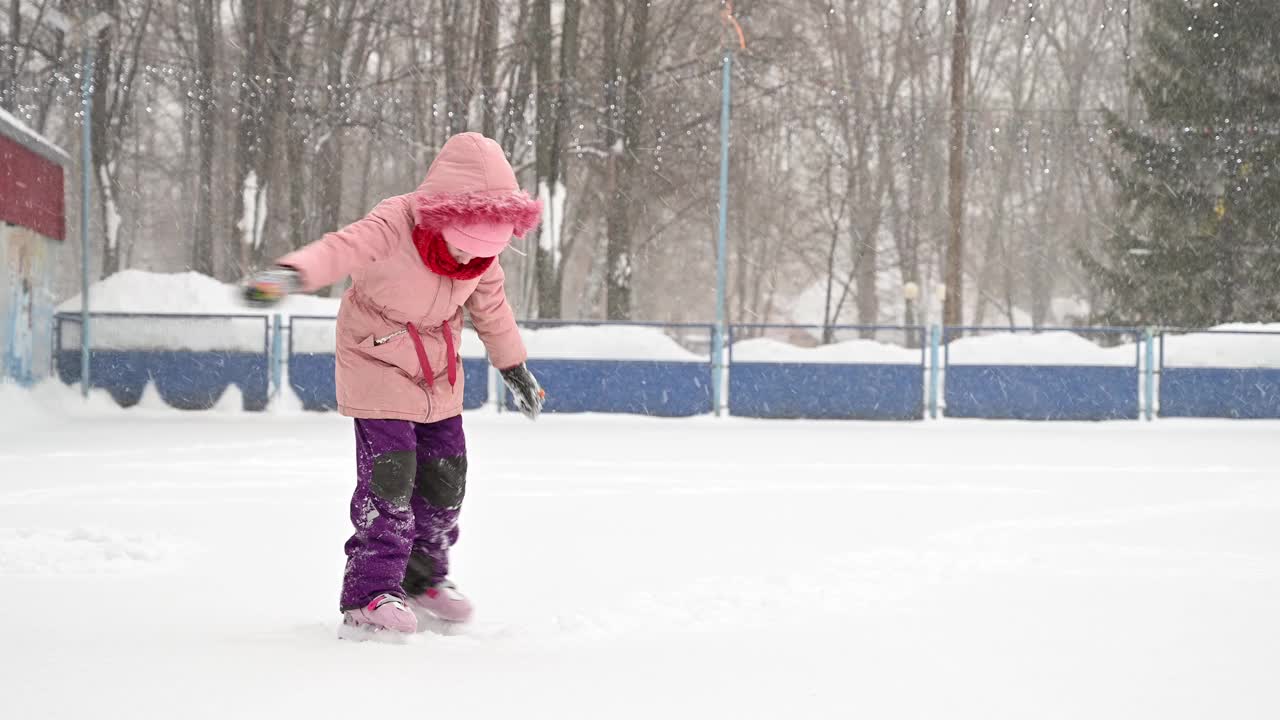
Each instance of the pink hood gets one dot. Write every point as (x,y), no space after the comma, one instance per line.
(469,183)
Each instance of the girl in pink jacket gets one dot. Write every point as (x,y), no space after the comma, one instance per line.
(415,261)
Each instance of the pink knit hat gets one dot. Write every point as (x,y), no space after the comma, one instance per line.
(483,239)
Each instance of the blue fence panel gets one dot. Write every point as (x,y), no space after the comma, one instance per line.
(311,375)
(663,388)
(1251,393)
(644,387)
(1242,393)
(1042,391)
(828,391)
(184,379)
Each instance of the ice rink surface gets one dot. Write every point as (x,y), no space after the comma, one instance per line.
(170,565)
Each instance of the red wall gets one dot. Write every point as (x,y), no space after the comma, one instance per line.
(31,191)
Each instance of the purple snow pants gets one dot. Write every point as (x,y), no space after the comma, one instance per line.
(410,481)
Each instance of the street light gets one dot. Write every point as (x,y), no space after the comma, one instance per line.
(910,295)
(85,31)
(718,339)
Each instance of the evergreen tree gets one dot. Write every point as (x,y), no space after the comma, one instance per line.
(1199,177)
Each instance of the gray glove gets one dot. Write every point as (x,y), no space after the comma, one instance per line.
(529,395)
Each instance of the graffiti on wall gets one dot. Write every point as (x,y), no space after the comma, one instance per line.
(26,304)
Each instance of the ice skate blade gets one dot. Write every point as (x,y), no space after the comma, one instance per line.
(366,633)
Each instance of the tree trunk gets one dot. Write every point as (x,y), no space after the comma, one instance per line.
(552,118)
(330,150)
(457,94)
(244,241)
(487,40)
(522,78)
(545,260)
(269,160)
(953,307)
(103,167)
(611,138)
(618,297)
(205,12)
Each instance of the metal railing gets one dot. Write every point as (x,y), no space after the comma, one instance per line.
(140,347)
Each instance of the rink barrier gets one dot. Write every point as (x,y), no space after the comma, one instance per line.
(311,374)
(1218,392)
(660,388)
(828,391)
(1042,392)
(260,368)
(184,379)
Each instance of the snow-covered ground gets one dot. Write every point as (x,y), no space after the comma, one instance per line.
(157,564)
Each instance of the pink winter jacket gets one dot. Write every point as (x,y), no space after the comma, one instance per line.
(399,324)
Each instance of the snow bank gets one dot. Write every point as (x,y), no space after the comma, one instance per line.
(1236,345)
(19,409)
(187,293)
(1050,348)
(190,293)
(606,342)
(49,403)
(849,352)
(140,291)
(1225,350)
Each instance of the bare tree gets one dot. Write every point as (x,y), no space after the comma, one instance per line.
(553,99)
(115,69)
(487,60)
(207,21)
(953,309)
(264,40)
(623,160)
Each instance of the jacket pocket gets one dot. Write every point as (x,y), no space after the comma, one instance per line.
(396,352)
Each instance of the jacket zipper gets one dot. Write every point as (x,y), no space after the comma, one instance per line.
(383,340)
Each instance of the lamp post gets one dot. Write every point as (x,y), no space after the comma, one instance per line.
(910,296)
(721,328)
(85,31)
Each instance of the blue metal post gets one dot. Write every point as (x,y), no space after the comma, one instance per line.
(500,389)
(86,166)
(717,360)
(277,355)
(1150,375)
(935,339)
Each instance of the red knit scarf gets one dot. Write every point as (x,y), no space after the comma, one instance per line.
(434,252)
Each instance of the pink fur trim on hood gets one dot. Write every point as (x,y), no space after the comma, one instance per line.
(439,210)
(470,182)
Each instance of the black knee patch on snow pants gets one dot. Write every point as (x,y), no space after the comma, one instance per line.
(393,475)
(443,481)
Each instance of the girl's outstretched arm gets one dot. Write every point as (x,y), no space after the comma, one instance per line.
(337,254)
